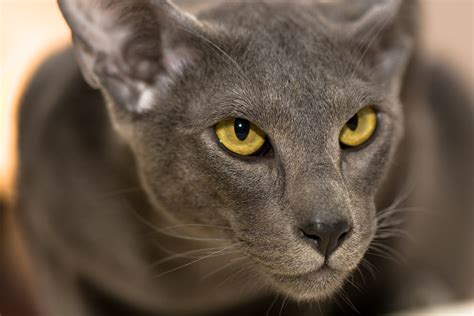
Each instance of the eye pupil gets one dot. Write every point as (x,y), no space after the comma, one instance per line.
(241,128)
(353,123)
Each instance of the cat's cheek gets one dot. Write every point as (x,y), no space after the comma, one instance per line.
(238,178)
(364,168)
(175,181)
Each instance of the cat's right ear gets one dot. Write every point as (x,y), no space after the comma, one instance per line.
(130,49)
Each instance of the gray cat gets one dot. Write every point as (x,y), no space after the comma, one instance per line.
(245,158)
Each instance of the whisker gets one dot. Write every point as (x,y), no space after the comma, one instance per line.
(197,225)
(169,251)
(388,250)
(283,304)
(387,233)
(381,254)
(333,299)
(255,286)
(352,283)
(391,223)
(401,197)
(185,255)
(320,310)
(369,266)
(342,293)
(392,211)
(232,262)
(194,261)
(271,305)
(405,193)
(167,233)
(242,269)
(359,271)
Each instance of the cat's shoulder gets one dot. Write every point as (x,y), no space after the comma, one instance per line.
(59,113)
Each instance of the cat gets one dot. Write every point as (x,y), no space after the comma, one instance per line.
(244,158)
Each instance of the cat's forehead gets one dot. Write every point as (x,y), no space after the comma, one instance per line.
(285,52)
(281,43)
(277,64)
(267,19)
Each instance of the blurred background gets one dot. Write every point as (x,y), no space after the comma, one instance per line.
(30,30)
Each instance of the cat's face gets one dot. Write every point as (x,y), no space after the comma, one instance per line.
(302,209)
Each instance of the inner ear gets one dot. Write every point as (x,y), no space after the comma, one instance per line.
(130,49)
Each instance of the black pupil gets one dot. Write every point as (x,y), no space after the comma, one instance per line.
(353,123)
(241,128)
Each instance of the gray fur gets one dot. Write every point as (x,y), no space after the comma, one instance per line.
(107,190)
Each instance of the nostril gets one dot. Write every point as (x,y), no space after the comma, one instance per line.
(342,238)
(312,237)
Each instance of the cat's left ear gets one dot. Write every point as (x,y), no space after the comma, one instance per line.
(130,49)
(384,31)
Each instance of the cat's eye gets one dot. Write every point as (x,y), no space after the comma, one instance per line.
(240,136)
(360,128)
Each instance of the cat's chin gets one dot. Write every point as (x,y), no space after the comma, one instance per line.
(312,286)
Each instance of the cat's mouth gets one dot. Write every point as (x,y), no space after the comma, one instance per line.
(310,286)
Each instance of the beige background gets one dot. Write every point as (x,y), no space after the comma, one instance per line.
(30,29)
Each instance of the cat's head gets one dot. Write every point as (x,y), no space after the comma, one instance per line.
(276,119)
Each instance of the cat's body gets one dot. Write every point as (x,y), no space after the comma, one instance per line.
(105,190)
(89,213)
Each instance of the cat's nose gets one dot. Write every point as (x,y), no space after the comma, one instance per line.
(326,237)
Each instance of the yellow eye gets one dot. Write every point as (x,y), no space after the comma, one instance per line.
(240,136)
(360,128)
